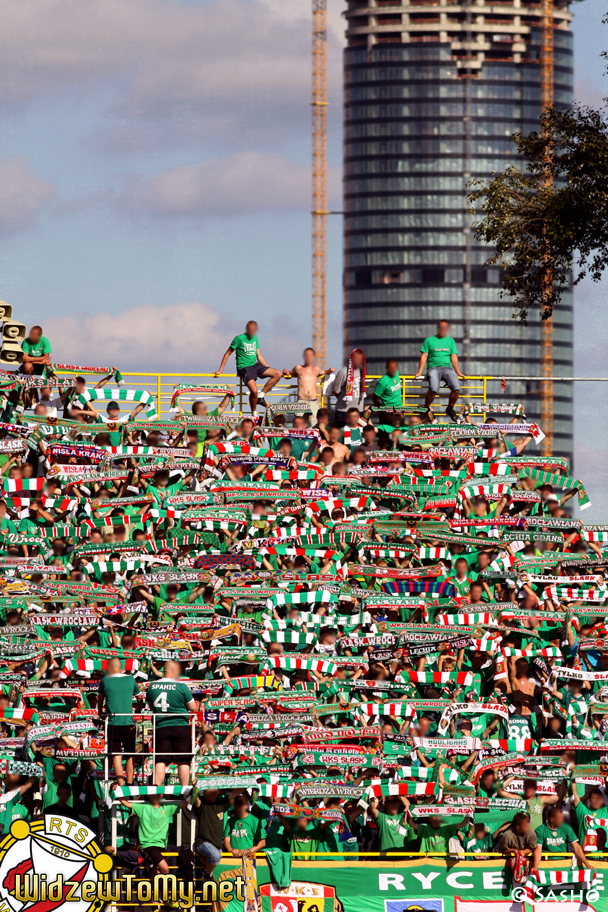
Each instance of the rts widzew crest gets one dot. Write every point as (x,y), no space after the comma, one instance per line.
(52,864)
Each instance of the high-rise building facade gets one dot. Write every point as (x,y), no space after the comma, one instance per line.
(434,90)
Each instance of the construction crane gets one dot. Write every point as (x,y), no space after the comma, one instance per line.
(546,326)
(319,179)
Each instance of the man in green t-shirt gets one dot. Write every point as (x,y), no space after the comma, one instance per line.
(440,356)
(171,702)
(393,830)
(594,807)
(436,834)
(557,837)
(118,690)
(36,352)
(387,392)
(242,830)
(304,835)
(154,819)
(250,365)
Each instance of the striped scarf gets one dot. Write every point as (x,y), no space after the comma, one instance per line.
(593,535)
(547,652)
(253,682)
(321,596)
(85,667)
(23,484)
(558,481)
(472,617)
(433,553)
(287,663)
(583,595)
(210,389)
(538,879)
(350,376)
(77,369)
(499,408)
(485,490)
(290,637)
(340,503)
(144,791)
(490,468)
(120,395)
(386,789)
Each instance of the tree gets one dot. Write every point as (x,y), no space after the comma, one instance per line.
(550,219)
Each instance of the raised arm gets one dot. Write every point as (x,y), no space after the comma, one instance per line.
(225,357)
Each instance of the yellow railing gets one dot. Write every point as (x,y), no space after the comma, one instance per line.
(161,386)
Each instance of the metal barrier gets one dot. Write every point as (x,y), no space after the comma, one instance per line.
(140,719)
(161,386)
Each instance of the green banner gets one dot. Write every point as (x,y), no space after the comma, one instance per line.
(415,885)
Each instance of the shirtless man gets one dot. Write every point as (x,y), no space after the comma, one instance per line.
(307,375)
(524,691)
(341,452)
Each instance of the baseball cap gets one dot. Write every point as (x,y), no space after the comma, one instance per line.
(112,405)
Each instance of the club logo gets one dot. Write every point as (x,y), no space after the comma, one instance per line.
(413,905)
(52,864)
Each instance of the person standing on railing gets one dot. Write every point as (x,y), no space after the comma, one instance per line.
(308,375)
(439,354)
(171,702)
(118,690)
(349,386)
(251,365)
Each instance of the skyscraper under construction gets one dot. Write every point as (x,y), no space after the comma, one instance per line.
(434,90)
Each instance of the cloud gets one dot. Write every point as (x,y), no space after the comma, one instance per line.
(203,71)
(183,337)
(23,195)
(240,183)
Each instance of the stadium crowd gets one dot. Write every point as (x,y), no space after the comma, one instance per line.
(292,633)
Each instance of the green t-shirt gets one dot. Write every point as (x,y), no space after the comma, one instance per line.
(305,840)
(7,525)
(42,347)
(246,350)
(388,831)
(243,833)
(6,813)
(388,391)
(535,810)
(169,696)
(581,811)
(154,823)
(439,351)
(436,840)
(555,840)
(480,845)
(159,494)
(28,524)
(351,437)
(462,586)
(119,690)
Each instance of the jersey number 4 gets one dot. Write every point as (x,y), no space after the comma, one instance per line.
(161,702)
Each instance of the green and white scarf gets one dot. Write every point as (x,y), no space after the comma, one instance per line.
(558,481)
(120,395)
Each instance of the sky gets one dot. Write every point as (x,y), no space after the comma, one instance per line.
(155,185)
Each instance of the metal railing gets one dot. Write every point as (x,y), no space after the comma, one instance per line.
(140,718)
(161,386)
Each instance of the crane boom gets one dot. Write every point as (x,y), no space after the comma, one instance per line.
(546,326)
(319,179)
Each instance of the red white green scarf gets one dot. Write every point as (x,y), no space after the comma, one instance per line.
(350,378)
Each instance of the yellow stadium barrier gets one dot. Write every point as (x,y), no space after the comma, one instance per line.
(161,386)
